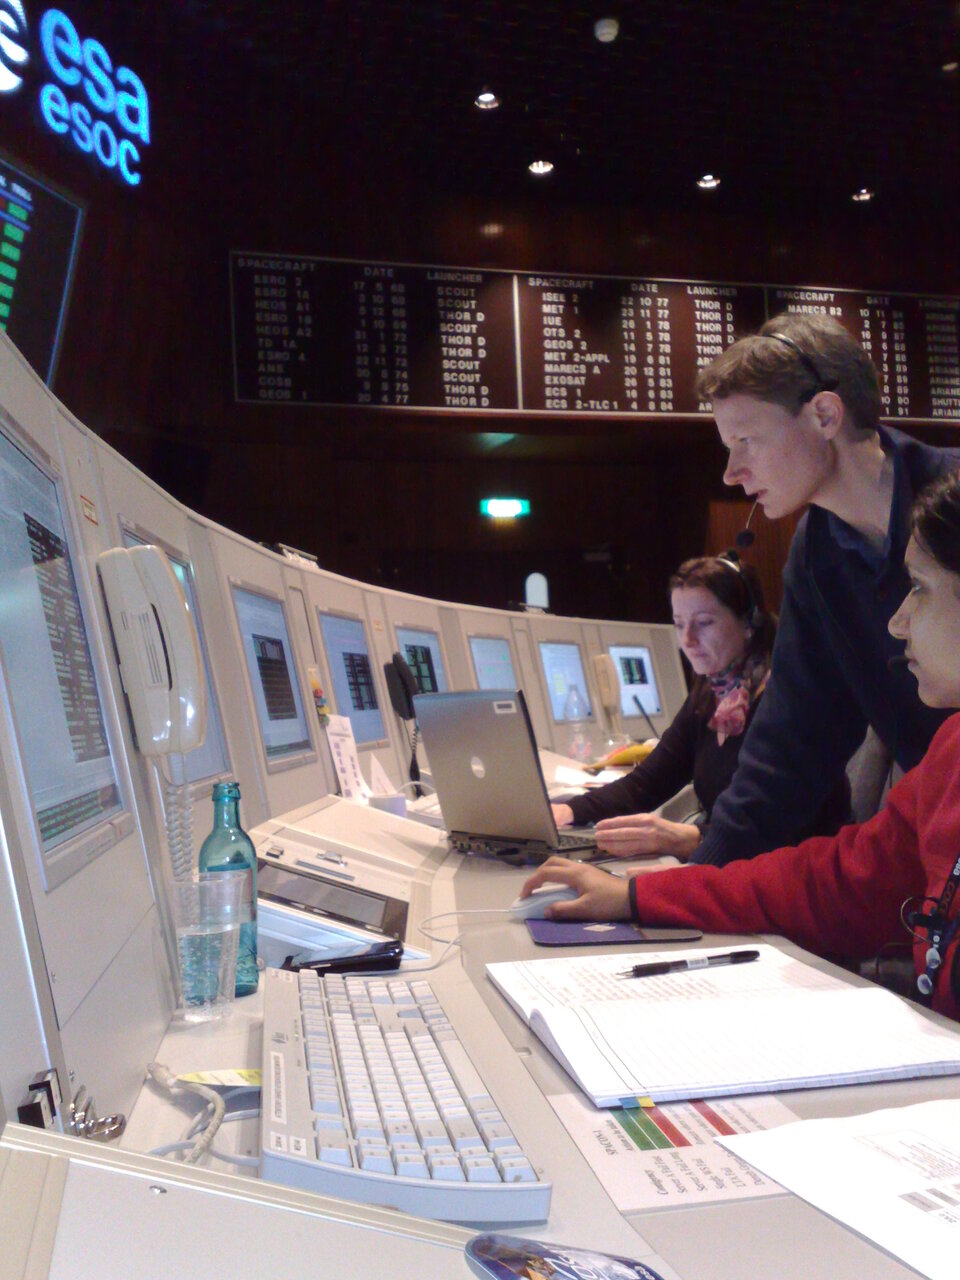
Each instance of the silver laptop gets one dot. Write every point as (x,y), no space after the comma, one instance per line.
(485,767)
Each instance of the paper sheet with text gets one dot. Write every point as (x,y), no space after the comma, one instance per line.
(892,1175)
(669,1156)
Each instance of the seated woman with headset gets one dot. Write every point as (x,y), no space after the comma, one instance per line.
(727,635)
(849,895)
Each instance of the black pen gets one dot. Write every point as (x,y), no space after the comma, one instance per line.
(695,962)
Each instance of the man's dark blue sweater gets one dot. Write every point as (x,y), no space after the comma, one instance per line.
(830,676)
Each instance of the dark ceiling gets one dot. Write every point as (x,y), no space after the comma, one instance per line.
(792,104)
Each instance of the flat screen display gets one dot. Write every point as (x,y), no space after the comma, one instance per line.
(638,681)
(39,237)
(354,690)
(563,668)
(422,652)
(210,759)
(273,678)
(493,662)
(51,681)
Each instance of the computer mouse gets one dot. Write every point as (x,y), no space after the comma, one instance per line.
(533,908)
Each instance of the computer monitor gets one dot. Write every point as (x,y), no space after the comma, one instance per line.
(493,662)
(273,678)
(210,759)
(51,681)
(39,237)
(637,677)
(421,648)
(351,671)
(563,669)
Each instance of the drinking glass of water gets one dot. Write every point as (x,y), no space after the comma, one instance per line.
(206,915)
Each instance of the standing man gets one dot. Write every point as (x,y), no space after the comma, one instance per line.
(797,407)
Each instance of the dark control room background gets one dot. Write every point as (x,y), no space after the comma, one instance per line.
(350,130)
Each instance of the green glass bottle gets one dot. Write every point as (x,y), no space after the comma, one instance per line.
(229,848)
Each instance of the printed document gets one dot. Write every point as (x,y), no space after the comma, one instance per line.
(667,1157)
(343,748)
(893,1176)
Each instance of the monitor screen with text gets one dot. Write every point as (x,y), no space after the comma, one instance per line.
(563,670)
(493,662)
(422,652)
(51,680)
(354,688)
(273,676)
(638,682)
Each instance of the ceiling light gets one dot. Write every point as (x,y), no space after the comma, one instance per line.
(950,67)
(486,100)
(540,168)
(606,30)
(490,230)
(709,182)
(863,195)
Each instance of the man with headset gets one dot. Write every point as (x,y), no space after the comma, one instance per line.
(797,407)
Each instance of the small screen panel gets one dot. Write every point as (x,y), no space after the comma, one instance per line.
(269,655)
(353,905)
(493,662)
(354,690)
(422,652)
(39,234)
(51,679)
(638,683)
(563,668)
(210,759)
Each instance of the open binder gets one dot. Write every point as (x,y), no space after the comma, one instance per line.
(766,1027)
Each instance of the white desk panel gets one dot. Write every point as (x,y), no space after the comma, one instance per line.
(780,1237)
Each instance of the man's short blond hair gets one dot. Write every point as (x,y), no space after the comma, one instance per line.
(819,353)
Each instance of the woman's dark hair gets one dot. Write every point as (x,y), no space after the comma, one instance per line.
(935,521)
(738,586)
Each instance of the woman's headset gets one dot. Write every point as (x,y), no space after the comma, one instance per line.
(808,362)
(755,615)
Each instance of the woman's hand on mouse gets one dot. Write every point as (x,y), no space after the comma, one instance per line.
(602,895)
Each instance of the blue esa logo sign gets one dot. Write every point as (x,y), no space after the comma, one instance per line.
(103,110)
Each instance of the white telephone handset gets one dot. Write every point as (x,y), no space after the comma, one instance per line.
(157,648)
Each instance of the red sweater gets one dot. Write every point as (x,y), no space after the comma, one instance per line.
(836,895)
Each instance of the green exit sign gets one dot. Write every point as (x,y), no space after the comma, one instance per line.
(504,508)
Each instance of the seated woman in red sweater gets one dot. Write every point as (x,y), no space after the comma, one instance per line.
(844,896)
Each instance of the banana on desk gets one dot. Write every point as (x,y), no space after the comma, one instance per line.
(629,755)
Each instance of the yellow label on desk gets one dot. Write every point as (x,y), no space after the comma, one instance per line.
(232,1078)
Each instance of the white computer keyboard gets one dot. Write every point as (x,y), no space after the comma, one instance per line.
(369,1095)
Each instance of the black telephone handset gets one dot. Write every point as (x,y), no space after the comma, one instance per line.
(380,956)
(401,685)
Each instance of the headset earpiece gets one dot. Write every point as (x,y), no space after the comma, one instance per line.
(754,615)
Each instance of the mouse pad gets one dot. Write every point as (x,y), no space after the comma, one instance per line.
(593,933)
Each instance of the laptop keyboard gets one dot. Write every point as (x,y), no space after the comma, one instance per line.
(581,841)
